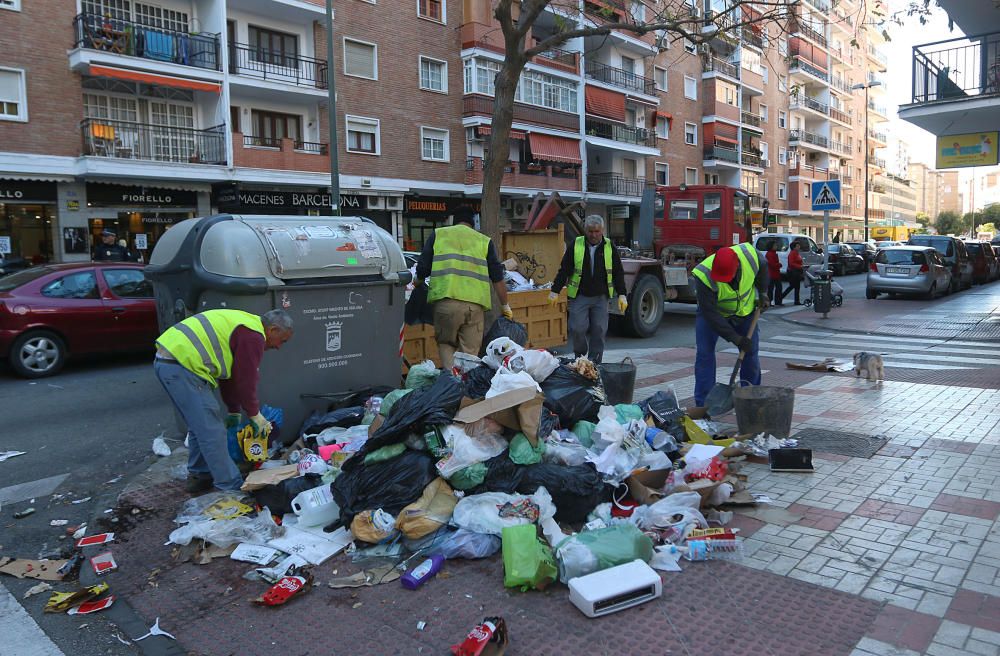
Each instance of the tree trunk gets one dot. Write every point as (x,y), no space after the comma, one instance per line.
(499,150)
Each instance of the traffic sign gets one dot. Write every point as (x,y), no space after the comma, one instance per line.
(826,195)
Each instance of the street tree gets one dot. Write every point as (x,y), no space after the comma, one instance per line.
(923,219)
(987,227)
(949,223)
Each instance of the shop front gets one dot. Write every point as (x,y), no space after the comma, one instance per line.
(422,214)
(139,215)
(235,198)
(27,218)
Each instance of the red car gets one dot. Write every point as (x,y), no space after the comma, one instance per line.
(52,311)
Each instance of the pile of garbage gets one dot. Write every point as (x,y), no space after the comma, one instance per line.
(516,452)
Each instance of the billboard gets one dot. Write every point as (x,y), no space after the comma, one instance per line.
(961,150)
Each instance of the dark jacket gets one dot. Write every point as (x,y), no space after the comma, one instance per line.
(112,253)
(596,284)
(708,304)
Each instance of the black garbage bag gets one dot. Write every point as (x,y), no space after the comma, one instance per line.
(504,327)
(278,497)
(662,407)
(431,406)
(417,309)
(318,421)
(477,382)
(390,485)
(547,422)
(571,396)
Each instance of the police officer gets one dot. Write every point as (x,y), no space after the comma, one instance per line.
(109,250)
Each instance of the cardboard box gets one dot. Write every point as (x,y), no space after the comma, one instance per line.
(645,486)
(261,478)
(518,409)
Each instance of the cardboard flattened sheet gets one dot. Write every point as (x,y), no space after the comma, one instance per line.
(42,570)
(261,478)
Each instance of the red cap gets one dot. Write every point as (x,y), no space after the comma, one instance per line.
(724,265)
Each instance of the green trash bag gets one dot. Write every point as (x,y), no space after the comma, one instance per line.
(527,561)
(626,412)
(592,551)
(583,431)
(385,453)
(390,399)
(422,375)
(522,453)
(468,477)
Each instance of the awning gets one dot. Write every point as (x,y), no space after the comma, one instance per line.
(150,78)
(666,115)
(606,103)
(554,149)
(484,130)
(719,137)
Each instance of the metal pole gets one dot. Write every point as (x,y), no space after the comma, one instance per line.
(865,137)
(826,238)
(331,107)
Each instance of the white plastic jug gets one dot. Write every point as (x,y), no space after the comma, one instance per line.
(316,507)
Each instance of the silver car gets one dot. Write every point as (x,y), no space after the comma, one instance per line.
(908,270)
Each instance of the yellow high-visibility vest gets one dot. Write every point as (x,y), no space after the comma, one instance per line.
(200,343)
(733,302)
(573,288)
(459,268)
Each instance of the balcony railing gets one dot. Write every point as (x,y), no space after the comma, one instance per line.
(524,174)
(877,188)
(878,109)
(809,138)
(722,66)
(801,169)
(158,143)
(751,119)
(614,184)
(310,147)
(124,37)
(822,5)
(841,84)
(877,136)
(841,116)
(800,64)
(807,31)
(802,101)
(840,148)
(956,68)
(273,66)
(261,142)
(725,153)
(622,133)
(752,38)
(564,57)
(878,55)
(619,77)
(877,161)
(847,179)
(751,159)
(757,201)
(477,105)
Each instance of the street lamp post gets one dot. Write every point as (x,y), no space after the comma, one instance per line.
(870,84)
(331,106)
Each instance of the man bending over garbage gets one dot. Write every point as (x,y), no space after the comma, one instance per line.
(217,348)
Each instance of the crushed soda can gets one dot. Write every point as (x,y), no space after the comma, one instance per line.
(285,589)
(61,601)
(486,639)
(103,563)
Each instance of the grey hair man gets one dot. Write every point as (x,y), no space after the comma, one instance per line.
(592,273)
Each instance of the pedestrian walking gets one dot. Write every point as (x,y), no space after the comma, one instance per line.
(794,272)
(223,349)
(729,285)
(462,264)
(109,250)
(774,274)
(594,274)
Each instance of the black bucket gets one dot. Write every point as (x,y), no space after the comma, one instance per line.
(762,409)
(619,381)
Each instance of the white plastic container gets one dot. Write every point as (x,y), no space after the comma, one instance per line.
(316,507)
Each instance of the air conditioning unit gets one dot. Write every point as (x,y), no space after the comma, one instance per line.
(767,163)
(394,202)
(366,182)
(376,203)
(843,161)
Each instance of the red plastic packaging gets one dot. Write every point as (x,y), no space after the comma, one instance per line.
(486,639)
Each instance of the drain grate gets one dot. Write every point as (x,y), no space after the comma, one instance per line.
(845,444)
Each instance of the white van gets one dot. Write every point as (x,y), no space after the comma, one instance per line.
(811,253)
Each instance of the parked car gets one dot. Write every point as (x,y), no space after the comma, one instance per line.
(811,252)
(909,270)
(886,244)
(865,249)
(953,252)
(50,312)
(11,264)
(843,260)
(984,261)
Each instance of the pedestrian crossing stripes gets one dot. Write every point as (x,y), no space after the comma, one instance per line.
(21,634)
(897,352)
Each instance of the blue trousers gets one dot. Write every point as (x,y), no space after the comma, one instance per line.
(704,359)
(208,450)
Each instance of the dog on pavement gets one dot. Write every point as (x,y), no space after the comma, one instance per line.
(870,364)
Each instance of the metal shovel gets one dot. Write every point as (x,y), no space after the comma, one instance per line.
(720,398)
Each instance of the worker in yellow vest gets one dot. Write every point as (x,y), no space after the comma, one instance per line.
(729,285)
(217,349)
(594,272)
(462,264)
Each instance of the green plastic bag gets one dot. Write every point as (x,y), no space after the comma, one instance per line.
(390,399)
(592,551)
(583,431)
(626,412)
(522,453)
(422,375)
(527,561)
(385,453)
(469,477)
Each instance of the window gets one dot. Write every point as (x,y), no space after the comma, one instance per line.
(13,97)
(662,127)
(13,5)
(805,190)
(360,59)
(269,128)
(434,144)
(782,191)
(763,113)
(690,176)
(363,135)
(690,47)
(857,203)
(713,206)
(690,88)
(782,83)
(637,10)
(431,9)
(764,74)
(660,78)
(782,118)
(630,169)
(164,19)
(662,173)
(128,283)
(273,47)
(433,75)
(628,64)
(534,88)
(75,285)
(113,108)
(684,210)
(782,156)
(763,188)
(691,134)
(783,46)
(764,154)
(850,199)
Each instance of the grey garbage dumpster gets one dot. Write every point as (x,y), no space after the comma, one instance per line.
(342,280)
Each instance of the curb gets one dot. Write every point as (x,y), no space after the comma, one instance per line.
(957,335)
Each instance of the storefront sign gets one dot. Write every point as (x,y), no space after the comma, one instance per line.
(437,207)
(73,205)
(232,198)
(106,195)
(961,150)
(140,241)
(4,245)
(27,191)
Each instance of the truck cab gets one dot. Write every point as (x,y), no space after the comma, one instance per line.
(697,220)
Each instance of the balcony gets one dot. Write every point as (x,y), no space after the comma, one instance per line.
(526,176)
(270,66)
(878,162)
(621,133)
(156,143)
(877,188)
(800,65)
(614,184)
(557,58)
(844,22)
(757,201)
(751,120)
(877,55)
(802,101)
(752,38)
(841,85)
(840,148)
(722,153)
(800,27)
(847,179)
(811,138)
(877,136)
(802,170)
(281,154)
(620,78)
(721,66)
(751,159)
(563,60)
(131,39)
(841,116)
(878,109)
(477,105)
(823,6)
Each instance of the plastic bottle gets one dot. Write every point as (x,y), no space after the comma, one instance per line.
(423,572)
(712,550)
(316,507)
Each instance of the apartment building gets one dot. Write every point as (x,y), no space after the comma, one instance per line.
(894,201)
(160,111)
(925,188)
(949,191)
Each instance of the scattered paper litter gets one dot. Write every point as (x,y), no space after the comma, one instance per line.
(160,447)
(79,501)
(6,455)
(253,553)
(665,560)
(59,522)
(37,589)
(313,548)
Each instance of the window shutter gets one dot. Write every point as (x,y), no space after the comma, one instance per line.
(359,59)
(10,86)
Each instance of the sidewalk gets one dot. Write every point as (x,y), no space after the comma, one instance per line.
(970,315)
